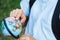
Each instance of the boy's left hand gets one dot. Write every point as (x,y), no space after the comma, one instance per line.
(26,37)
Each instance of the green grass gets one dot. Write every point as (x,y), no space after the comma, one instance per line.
(5,7)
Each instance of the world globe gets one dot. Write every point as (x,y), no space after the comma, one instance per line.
(11,27)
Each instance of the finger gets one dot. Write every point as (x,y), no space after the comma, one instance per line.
(12,14)
(15,13)
(19,12)
(18,15)
(23,19)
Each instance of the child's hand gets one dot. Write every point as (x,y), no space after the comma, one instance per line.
(18,14)
(26,37)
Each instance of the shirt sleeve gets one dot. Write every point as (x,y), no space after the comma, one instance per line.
(24,4)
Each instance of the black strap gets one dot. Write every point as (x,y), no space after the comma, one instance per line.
(56,21)
(31,3)
(10,31)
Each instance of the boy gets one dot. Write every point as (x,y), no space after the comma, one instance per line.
(40,16)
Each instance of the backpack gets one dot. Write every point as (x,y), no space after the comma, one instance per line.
(56,21)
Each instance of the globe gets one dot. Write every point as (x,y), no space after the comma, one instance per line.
(11,27)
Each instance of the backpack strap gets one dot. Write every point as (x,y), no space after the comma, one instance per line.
(56,21)
(31,3)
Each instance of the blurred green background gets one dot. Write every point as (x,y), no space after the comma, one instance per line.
(5,7)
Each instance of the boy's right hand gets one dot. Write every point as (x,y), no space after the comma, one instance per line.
(18,14)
